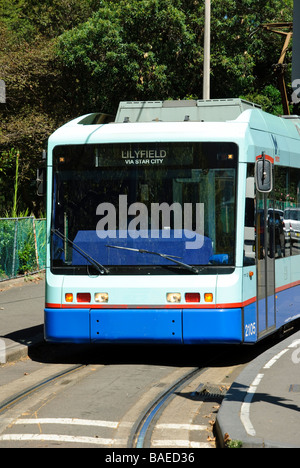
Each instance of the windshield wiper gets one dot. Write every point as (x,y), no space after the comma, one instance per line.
(167,257)
(94,262)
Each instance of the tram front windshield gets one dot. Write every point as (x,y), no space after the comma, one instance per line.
(143,208)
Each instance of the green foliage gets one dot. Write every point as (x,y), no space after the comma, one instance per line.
(139,50)
(36,103)
(7,171)
(26,254)
(22,242)
(6,161)
(150,49)
(234,444)
(29,18)
(269,99)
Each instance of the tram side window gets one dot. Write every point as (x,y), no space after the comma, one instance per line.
(283,219)
(287,209)
(292,216)
(249,229)
(281,195)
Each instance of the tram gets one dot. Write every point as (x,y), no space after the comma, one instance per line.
(166,224)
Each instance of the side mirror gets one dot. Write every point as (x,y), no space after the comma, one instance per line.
(264,173)
(41,181)
(41,176)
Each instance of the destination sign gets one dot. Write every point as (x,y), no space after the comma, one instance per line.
(144,154)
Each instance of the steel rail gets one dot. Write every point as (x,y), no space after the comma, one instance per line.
(145,425)
(8,403)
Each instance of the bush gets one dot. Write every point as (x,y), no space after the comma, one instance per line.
(22,246)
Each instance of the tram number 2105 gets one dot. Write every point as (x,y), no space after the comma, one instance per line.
(250,329)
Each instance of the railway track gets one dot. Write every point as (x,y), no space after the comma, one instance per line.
(10,401)
(141,436)
(173,409)
(183,416)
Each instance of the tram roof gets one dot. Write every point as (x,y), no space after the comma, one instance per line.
(214,120)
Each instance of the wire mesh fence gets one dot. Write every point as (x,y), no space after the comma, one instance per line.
(22,246)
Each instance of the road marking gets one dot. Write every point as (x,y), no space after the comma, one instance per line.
(183,443)
(64,438)
(189,427)
(294,344)
(2,352)
(98,440)
(60,438)
(69,421)
(245,408)
(179,443)
(275,359)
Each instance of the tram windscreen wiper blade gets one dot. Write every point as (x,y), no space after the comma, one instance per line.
(94,262)
(167,257)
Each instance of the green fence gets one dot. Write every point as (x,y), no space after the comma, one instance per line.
(22,246)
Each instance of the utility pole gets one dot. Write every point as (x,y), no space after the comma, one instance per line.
(206,68)
(2,92)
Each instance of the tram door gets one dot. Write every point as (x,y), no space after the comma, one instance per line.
(265,262)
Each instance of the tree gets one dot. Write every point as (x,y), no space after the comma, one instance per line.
(132,50)
(35,95)
(153,49)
